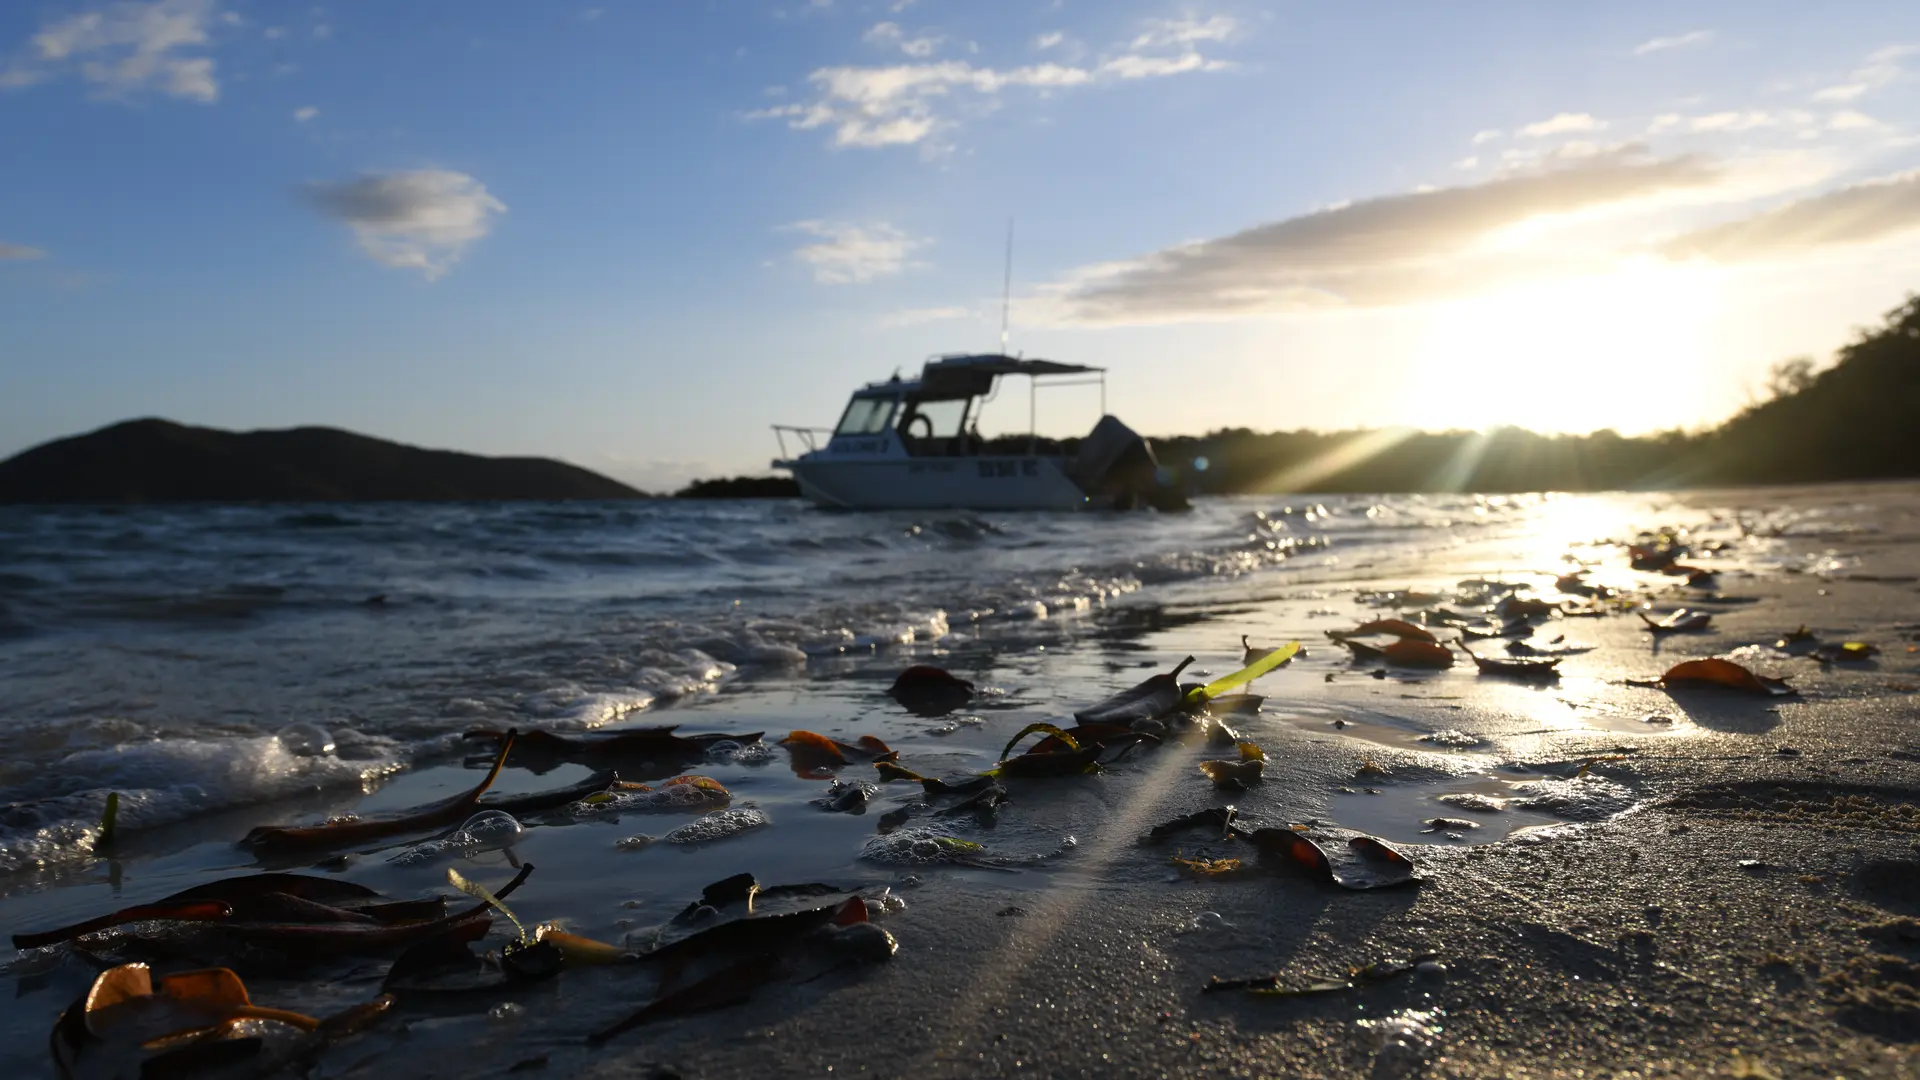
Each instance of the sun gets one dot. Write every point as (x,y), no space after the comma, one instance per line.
(1622,350)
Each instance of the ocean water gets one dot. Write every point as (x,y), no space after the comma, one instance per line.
(208,660)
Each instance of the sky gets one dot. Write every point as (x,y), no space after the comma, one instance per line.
(635,235)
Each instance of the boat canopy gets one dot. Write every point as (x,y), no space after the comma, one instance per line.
(970,375)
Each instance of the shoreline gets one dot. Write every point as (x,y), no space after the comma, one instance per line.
(1627,942)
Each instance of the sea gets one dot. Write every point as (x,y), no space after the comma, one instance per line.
(202,660)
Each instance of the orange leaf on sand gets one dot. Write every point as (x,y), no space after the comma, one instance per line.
(1714,671)
(1408,652)
(1400,628)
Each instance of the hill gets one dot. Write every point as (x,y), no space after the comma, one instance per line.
(160,461)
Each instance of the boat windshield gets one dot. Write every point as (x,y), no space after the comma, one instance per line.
(935,419)
(866,416)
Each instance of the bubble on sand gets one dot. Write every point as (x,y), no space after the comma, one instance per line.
(489,830)
(919,845)
(728,752)
(1453,739)
(1208,920)
(1475,802)
(884,904)
(635,843)
(1587,798)
(717,826)
(1404,1044)
(305,740)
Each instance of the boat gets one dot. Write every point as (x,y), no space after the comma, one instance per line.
(916,444)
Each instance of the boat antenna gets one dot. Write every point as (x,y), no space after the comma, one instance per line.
(1006,290)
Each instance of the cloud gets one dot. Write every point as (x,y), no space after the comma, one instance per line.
(127,48)
(1731,121)
(1678,41)
(274,33)
(1848,120)
(322,32)
(423,220)
(1665,122)
(1469,162)
(1049,39)
(1849,215)
(889,35)
(1163,33)
(847,254)
(916,316)
(905,104)
(1562,124)
(20,251)
(305,113)
(1388,250)
(1842,93)
(1484,136)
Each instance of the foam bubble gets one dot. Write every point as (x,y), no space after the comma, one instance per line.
(718,826)
(164,781)
(1588,798)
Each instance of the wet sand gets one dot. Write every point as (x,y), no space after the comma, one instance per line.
(1729,875)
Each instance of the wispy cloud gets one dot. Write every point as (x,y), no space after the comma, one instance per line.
(1049,39)
(907,104)
(1677,41)
(424,219)
(848,254)
(1733,120)
(1842,93)
(305,113)
(20,252)
(1850,215)
(1390,250)
(1486,135)
(1562,124)
(1849,120)
(1164,33)
(126,49)
(888,35)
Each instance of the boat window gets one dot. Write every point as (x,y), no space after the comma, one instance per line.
(866,416)
(935,419)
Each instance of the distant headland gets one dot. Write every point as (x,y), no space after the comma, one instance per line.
(151,461)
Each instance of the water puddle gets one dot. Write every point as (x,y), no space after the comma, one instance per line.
(1479,808)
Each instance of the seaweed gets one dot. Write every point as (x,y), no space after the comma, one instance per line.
(1527,670)
(1399,628)
(1715,672)
(1156,698)
(338,834)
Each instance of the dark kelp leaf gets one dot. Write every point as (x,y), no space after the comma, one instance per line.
(736,891)
(450,812)
(325,941)
(890,771)
(1213,818)
(926,690)
(1525,670)
(543,749)
(1155,699)
(760,933)
(250,898)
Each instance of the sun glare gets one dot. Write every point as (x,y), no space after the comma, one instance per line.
(1622,350)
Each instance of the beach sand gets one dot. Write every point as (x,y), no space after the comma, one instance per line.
(1686,885)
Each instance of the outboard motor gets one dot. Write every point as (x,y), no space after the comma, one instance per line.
(1116,463)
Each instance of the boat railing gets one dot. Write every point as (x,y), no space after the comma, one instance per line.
(808,437)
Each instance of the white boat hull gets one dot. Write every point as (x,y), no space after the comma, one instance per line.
(939,483)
